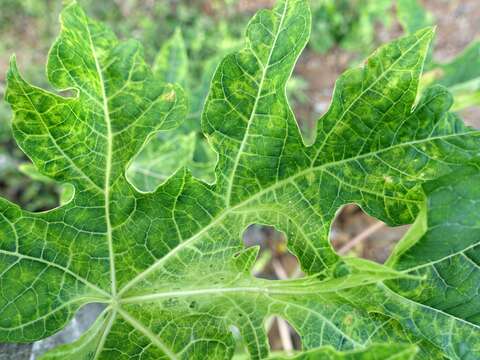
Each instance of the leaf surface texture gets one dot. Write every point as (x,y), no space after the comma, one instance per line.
(169,263)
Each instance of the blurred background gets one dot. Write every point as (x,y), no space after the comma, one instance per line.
(200,32)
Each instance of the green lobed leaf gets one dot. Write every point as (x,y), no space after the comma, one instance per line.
(444,248)
(169,264)
(374,352)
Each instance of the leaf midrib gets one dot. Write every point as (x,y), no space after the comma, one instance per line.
(301,286)
(137,325)
(265,68)
(108,163)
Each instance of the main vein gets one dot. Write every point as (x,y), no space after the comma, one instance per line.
(137,325)
(255,105)
(108,165)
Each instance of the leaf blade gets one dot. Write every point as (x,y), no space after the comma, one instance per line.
(182,277)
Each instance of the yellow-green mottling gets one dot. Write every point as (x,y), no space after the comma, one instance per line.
(169,264)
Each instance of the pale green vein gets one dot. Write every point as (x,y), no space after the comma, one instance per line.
(146,332)
(59,267)
(106,332)
(265,68)
(108,164)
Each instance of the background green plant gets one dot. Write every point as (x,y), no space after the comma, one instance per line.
(348,23)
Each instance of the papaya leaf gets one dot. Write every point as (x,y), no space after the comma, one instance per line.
(169,264)
(443,247)
(373,352)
